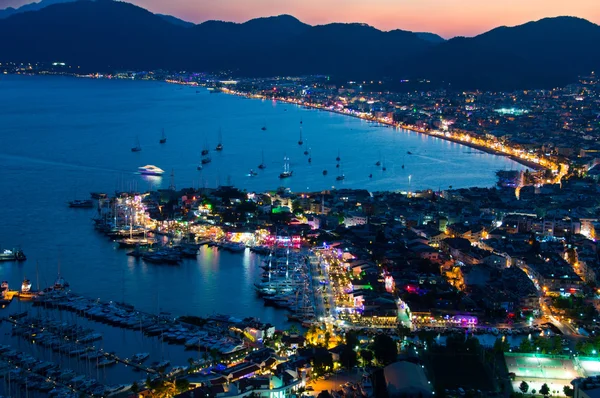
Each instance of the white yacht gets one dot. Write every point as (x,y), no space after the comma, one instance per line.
(150,170)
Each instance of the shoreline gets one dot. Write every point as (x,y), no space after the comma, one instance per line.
(531,165)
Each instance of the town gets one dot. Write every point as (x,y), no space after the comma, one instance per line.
(448,292)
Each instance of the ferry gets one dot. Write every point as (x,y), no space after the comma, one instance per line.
(150,170)
(12,255)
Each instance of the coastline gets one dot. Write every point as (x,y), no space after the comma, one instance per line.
(531,165)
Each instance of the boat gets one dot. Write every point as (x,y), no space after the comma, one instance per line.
(98,195)
(86,203)
(264,127)
(286,173)
(409,152)
(341,176)
(219,146)
(383,168)
(199,167)
(338,158)
(12,255)
(234,247)
(300,141)
(205,149)
(262,164)
(370,175)
(135,242)
(252,173)
(3,294)
(106,362)
(205,160)
(140,357)
(163,137)
(60,284)
(137,147)
(26,290)
(306,151)
(324,172)
(150,170)
(378,163)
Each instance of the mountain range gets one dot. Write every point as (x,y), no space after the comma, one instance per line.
(106,35)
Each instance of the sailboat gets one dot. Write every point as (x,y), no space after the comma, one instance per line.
(286,168)
(300,142)
(137,146)
(378,163)
(205,149)
(264,127)
(309,156)
(163,137)
(220,143)
(306,149)
(341,176)
(383,168)
(262,164)
(338,156)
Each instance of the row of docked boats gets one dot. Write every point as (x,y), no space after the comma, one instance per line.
(21,370)
(16,255)
(286,284)
(162,326)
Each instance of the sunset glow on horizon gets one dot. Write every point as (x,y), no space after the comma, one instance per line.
(448,18)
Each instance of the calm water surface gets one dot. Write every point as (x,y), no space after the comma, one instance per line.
(61,138)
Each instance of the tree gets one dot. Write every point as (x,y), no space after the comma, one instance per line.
(324,394)
(501,345)
(348,357)
(182,385)
(524,387)
(385,349)
(525,346)
(351,339)
(533,392)
(569,392)
(293,329)
(545,390)
(322,361)
(135,388)
(367,356)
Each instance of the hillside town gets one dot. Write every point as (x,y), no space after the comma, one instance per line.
(475,292)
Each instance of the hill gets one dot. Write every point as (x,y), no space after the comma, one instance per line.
(545,53)
(106,35)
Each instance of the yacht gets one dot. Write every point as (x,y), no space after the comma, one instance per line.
(60,283)
(12,255)
(262,164)
(219,146)
(286,169)
(150,170)
(205,160)
(137,147)
(26,289)
(163,137)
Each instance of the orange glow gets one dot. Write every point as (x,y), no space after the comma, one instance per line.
(447,18)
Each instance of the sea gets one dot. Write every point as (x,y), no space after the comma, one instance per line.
(64,137)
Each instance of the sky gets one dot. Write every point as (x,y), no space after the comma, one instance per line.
(448,18)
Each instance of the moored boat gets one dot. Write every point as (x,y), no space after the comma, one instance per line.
(150,170)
